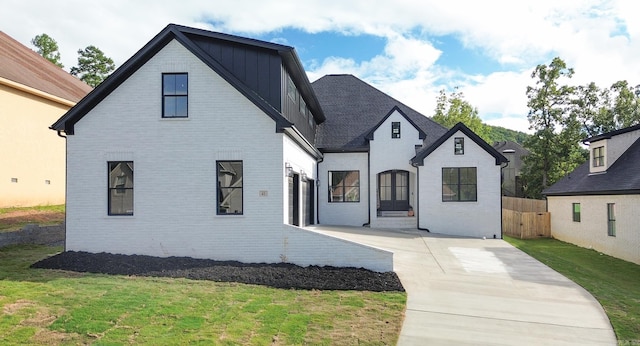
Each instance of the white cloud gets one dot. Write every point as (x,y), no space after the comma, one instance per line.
(599,38)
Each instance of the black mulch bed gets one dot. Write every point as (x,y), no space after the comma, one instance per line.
(281,275)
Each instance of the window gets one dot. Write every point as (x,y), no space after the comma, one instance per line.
(611,219)
(459,184)
(458,146)
(175,88)
(303,107)
(395,129)
(229,196)
(576,212)
(344,186)
(120,188)
(598,157)
(291,90)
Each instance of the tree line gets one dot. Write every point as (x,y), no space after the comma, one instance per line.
(560,115)
(93,65)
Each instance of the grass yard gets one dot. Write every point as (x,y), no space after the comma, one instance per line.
(39,306)
(613,282)
(12,219)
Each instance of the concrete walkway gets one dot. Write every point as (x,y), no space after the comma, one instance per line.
(465,291)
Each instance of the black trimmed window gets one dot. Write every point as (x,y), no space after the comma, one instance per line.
(611,219)
(395,129)
(175,95)
(576,212)
(229,196)
(344,186)
(458,146)
(120,188)
(598,157)
(459,184)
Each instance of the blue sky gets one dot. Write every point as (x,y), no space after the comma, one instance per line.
(409,49)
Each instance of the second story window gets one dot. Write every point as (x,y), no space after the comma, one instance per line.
(598,157)
(458,146)
(395,129)
(175,90)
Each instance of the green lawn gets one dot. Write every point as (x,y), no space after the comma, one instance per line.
(39,306)
(613,282)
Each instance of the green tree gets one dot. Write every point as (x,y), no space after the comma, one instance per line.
(452,109)
(625,105)
(48,48)
(554,146)
(93,66)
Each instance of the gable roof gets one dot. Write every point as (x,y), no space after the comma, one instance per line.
(421,133)
(419,158)
(623,177)
(518,151)
(355,108)
(23,66)
(187,37)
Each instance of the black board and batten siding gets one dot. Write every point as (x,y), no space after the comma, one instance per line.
(263,71)
(295,108)
(259,69)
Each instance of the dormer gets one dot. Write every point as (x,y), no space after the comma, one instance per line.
(605,149)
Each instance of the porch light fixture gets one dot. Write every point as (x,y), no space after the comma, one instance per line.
(288,170)
(303,175)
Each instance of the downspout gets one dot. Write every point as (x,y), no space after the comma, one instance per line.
(317,187)
(368,224)
(501,225)
(66,189)
(417,209)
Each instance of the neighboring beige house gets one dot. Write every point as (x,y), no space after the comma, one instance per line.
(33,94)
(597,205)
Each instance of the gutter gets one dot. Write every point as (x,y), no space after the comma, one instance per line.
(36,92)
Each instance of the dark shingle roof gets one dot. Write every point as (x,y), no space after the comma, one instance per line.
(353,108)
(24,66)
(623,177)
(518,151)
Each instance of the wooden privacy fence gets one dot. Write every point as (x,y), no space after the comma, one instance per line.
(524,204)
(525,218)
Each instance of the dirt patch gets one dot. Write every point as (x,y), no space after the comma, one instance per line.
(19,218)
(20,304)
(51,337)
(281,275)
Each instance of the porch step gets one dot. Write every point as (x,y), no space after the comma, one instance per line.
(393,213)
(405,222)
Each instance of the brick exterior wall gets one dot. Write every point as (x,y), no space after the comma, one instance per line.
(175,175)
(475,219)
(351,213)
(591,231)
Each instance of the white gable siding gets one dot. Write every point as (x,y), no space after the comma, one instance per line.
(393,153)
(591,231)
(477,219)
(352,213)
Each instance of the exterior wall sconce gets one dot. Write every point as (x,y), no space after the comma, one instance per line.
(288,170)
(303,175)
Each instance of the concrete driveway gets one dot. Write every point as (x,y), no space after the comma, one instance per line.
(464,291)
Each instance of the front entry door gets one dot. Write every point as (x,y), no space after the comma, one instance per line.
(393,190)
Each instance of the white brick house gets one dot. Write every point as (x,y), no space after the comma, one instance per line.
(597,205)
(227,141)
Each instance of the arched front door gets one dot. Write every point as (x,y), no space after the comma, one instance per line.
(393,190)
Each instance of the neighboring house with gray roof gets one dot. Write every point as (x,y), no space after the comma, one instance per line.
(597,205)
(512,173)
(33,93)
(234,151)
